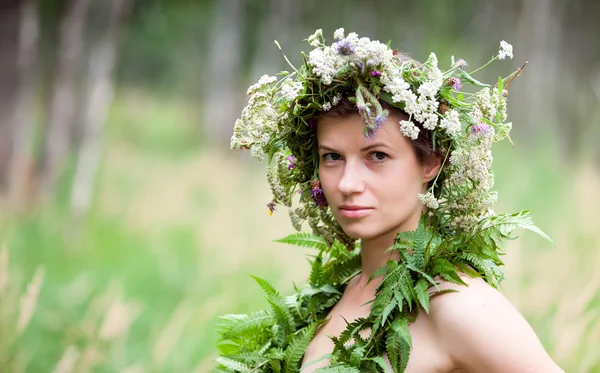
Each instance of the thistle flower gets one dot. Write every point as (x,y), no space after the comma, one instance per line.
(462,63)
(375,73)
(454,83)
(344,47)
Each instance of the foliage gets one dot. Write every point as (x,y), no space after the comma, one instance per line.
(275,340)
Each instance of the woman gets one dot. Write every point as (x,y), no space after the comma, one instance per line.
(392,164)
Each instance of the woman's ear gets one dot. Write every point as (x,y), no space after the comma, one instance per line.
(431,167)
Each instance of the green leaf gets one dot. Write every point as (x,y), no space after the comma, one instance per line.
(400,327)
(266,286)
(240,325)
(297,347)
(382,363)
(234,365)
(304,239)
(418,256)
(316,272)
(387,310)
(423,294)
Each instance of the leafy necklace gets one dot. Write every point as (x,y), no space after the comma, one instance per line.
(276,340)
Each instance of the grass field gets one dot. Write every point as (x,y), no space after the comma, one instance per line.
(178,226)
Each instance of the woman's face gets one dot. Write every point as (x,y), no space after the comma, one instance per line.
(371,184)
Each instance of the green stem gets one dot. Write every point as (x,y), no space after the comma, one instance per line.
(489,62)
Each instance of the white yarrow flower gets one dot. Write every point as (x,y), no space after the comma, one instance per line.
(291,90)
(409,129)
(338,34)
(429,200)
(313,40)
(451,122)
(506,50)
(263,81)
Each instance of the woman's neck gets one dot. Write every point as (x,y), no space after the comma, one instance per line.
(373,256)
(373,251)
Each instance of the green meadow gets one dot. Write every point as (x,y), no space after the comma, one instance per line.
(178,225)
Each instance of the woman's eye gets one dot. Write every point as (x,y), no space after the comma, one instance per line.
(378,156)
(332,157)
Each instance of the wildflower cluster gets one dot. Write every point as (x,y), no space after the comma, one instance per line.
(279,122)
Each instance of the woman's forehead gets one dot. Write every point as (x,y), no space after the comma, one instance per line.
(349,132)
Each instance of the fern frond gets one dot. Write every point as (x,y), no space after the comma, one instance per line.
(422,294)
(338,368)
(233,365)
(297,347)
(447,271)
(316,271)
(304,239)
(266,286)
(241,325)
(284,317)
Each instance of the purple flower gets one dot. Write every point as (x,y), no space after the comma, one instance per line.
(456,85)
(343,47)
(462,63)
(379,120)
(290,158)
(480,129)
(318,197)
(375,73)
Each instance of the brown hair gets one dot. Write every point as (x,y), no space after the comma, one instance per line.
(423,145)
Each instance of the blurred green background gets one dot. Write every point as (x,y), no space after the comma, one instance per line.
(127,226)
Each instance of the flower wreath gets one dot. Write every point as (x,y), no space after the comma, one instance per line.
(460,232)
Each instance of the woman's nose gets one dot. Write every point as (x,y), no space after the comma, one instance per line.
(352,180)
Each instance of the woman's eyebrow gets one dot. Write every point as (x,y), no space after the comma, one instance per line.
(374,145)
(368,147)
(327,148)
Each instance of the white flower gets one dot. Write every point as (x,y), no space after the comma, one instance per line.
(325,63)
(431,121)
(336,99)
(506,50)
(263,81)
(429,200)
(291,90)
(451,122)
(409,129)
(326,106)
(313,40)
(338,34)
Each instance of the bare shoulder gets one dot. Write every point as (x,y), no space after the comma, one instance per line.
(481,330)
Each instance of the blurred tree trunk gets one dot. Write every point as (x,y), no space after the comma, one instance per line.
(222,72)
(539,30)
(65,100)
(21,162)
(280,24)
(9,46)
(98,98)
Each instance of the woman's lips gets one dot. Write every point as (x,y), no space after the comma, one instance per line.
(355,211)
